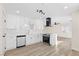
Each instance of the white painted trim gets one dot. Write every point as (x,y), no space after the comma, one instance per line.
(75,49)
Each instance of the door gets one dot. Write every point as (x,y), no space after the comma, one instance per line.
(2,30)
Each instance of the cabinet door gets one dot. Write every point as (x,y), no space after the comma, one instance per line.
(11,39)
(53,39)
(29,39)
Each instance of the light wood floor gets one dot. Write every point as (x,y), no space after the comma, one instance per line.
(42,49)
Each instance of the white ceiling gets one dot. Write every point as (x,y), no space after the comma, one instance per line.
(51,9)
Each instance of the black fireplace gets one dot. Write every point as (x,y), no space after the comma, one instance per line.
(46,38)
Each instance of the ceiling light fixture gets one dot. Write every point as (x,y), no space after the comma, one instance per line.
(17,11)
(40,11)
(65,7)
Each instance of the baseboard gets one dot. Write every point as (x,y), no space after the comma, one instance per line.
(73,49)
(32,43)
(64,37)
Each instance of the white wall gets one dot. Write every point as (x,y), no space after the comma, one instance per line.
(64,29)
(75,29)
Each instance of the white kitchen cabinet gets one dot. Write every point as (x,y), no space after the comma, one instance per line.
(11,39)
(53,39)
(29,39)
(33,38)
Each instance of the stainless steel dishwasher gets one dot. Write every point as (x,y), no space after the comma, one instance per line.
(20,41)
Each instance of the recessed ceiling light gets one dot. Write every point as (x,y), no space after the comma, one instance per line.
(25,25)
(65,7)
(17,11)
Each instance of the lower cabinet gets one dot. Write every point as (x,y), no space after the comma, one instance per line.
(10,39)
(53,39)
(10,43)
(34,38)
